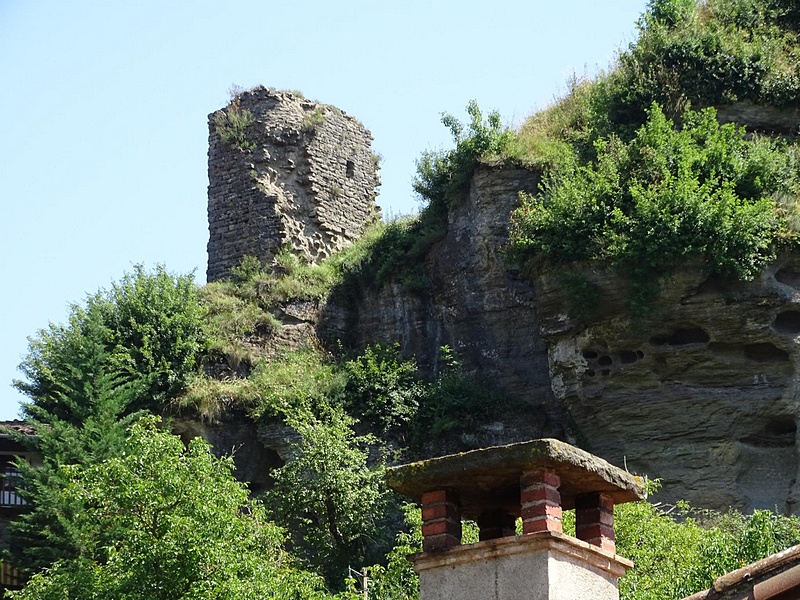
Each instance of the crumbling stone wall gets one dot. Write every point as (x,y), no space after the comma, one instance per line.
(285,171)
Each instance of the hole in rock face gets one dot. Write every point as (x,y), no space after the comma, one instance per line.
(627,356)
(590,373)
(351,169)
(765,352)
(589,354)
(783,426)
(779,432)
(604,361)
(680,337)
(788,322)
(789,276)
(639,354)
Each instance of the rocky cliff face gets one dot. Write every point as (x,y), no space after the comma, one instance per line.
(475,305)
(706,399)
(703,395)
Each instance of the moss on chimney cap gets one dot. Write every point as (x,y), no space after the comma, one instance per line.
(489,478)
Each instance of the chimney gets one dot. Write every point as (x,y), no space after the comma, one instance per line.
(533,480)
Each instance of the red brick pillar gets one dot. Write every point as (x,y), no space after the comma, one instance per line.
(441,520)
(594,520)
(541,501)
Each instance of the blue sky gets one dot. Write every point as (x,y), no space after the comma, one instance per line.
(103,144)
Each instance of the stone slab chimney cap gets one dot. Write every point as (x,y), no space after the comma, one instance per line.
(489,478)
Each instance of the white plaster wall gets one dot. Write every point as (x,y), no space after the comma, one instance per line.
(515,577)
(540,575)
(572,579)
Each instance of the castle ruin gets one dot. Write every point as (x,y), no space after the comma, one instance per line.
(286,172)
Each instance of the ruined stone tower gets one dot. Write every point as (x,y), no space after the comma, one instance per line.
(284,171)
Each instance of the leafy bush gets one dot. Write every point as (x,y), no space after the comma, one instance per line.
(664,197)
(157,328)
(718,53)
(675,558)
(328,495)
(381,388)
(442,176)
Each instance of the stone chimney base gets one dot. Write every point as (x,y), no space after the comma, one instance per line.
(539,566)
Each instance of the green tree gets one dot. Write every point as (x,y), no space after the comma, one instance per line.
(79,421)
(382,388)
(162,521)
(151,327)
(329,496)
(124,349)
(678,554)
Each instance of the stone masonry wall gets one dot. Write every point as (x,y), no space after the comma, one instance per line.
(298,174)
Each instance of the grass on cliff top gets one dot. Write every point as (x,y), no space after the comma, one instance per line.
(242,309)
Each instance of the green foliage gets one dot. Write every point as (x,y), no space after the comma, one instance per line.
(241,308)
(314,119)
(128,348)
(666,196)
(670,12)
(209,398)
(305,380)
(675,558)
(95,402)
(381,388)
(232,123)
(328,495)
(720,52)
(301,382)
(164,521)
(150,327)
(442,176)
(397,579)
(158,328)
(398,252)
(456,402)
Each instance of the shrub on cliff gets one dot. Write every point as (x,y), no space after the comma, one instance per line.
(442,176)
(690,55)
(668,195)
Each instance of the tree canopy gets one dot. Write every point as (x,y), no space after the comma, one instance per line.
(163,521)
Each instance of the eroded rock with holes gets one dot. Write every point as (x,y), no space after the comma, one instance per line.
(704,396)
